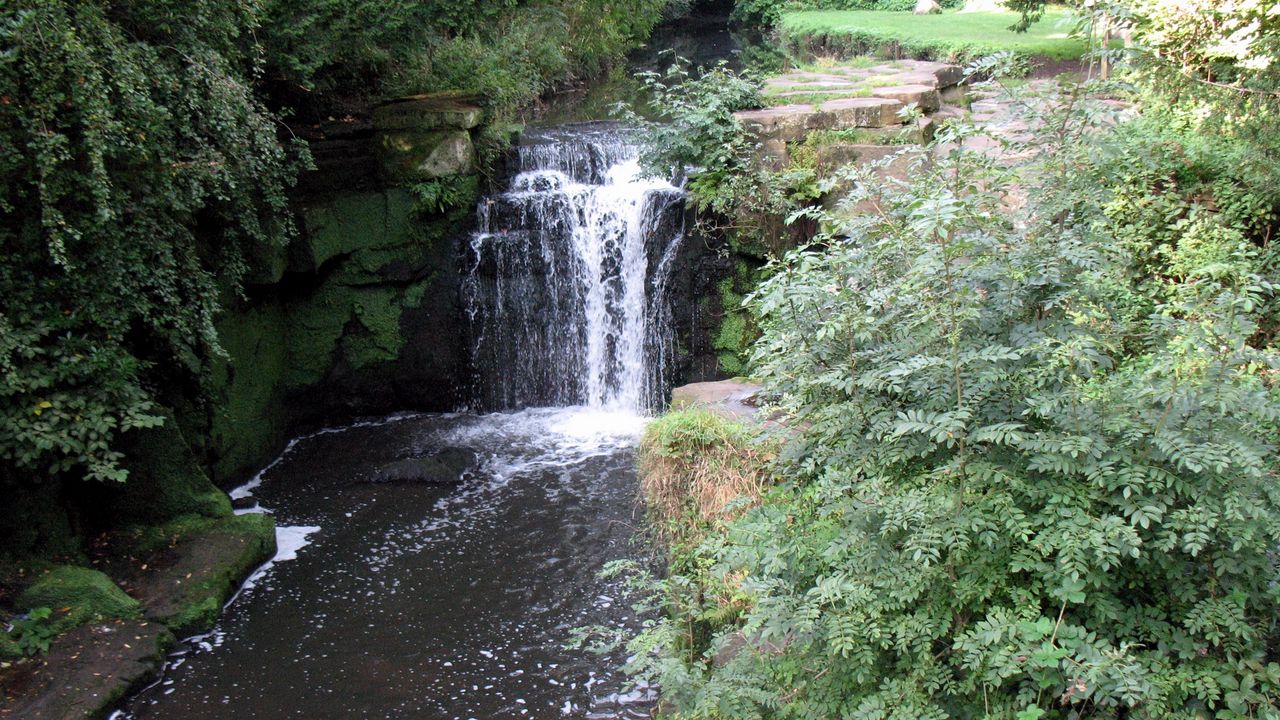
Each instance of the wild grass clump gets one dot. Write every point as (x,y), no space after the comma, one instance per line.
(697,468)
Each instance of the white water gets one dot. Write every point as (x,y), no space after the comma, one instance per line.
(564,292)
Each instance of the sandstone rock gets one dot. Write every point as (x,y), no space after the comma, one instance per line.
(925,97)
(730,398)
(863,112)
(411,155)
(86,671)
(426,112)
(927,7)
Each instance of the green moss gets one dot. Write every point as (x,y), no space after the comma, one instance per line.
(378,311)
(77,595)
(165,480)
(250,419)
(735,332)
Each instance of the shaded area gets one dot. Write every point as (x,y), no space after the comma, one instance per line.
(429,599)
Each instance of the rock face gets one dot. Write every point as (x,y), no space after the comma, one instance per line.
(425,137)
(927,7)
(361,314)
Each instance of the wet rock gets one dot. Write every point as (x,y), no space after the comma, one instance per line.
(184,572)
(732,398)
(449,466)
(86,671)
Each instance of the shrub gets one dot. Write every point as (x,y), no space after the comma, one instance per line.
(137,172)
(1021,484)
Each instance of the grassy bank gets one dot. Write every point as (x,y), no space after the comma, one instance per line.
(951,35)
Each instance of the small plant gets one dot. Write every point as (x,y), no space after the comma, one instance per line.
(33,632)
(440,195)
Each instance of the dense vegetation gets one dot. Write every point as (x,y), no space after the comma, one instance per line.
(1031,464)
(144,163)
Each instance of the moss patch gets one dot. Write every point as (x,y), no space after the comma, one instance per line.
(184,571)
(77,595)
(735,330)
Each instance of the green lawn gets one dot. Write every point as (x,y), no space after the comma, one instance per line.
(952,35)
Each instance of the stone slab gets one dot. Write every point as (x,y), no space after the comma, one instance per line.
(426,112)
(734,399)
(86,671)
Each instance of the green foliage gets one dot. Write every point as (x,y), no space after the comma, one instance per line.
(1031,473)
(691,130)
(439,196)
(33,632)
(526,51)
(136,171)
(952,36)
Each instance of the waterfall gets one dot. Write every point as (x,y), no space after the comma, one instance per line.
(566,275)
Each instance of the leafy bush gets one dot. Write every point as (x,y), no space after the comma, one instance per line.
(690,130)
(439,196)
(137,172)
(32,632)
(1021,483)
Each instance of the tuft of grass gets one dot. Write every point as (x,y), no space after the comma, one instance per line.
(698,468)
(952,36)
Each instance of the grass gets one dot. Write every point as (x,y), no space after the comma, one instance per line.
(696,468)
(951,35)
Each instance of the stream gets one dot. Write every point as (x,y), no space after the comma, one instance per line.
(436,565)
(429,600)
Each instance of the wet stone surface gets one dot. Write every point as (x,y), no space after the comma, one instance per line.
(429,600)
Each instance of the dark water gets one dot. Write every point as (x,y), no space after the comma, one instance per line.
(414,600)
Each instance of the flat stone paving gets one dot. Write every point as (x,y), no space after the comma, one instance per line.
(857,94)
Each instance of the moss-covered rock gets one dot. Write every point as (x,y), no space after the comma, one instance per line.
(77,595)
(735,330)
(165,481)
(249,420)
(183,572)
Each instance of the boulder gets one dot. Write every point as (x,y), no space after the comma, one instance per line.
(793,122)
(413,155)
(449,466)
(927,7)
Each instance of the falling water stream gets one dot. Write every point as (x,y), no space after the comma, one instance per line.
(434,566)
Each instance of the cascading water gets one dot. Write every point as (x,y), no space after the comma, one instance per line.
(564,286)
(448,557)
